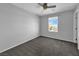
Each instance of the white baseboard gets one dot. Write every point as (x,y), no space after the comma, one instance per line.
(59,39)
(19,44)
(35,36)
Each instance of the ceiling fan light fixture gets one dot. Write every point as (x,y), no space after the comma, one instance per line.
(45,6)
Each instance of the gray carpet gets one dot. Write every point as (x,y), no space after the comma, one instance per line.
(43,46)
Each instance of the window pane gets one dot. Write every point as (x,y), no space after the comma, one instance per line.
(53,24)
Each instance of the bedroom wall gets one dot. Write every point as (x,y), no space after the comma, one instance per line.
(65,26)
(16,26)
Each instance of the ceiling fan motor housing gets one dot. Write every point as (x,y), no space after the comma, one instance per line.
(45,6)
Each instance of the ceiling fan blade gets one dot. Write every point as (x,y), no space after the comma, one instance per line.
(40,4)
(51,6)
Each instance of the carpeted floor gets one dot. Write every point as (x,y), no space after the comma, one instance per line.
(43,46)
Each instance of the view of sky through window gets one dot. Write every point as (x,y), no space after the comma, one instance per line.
(53,24)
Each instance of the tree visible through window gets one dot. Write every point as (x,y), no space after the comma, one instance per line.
(53,24)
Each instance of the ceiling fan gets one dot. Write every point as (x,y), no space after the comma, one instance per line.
(45,6)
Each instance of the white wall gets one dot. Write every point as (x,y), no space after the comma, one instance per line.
(16,26)
(65,30)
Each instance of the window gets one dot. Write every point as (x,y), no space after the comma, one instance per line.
(53,24)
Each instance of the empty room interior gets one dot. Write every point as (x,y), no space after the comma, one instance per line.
(39,29)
